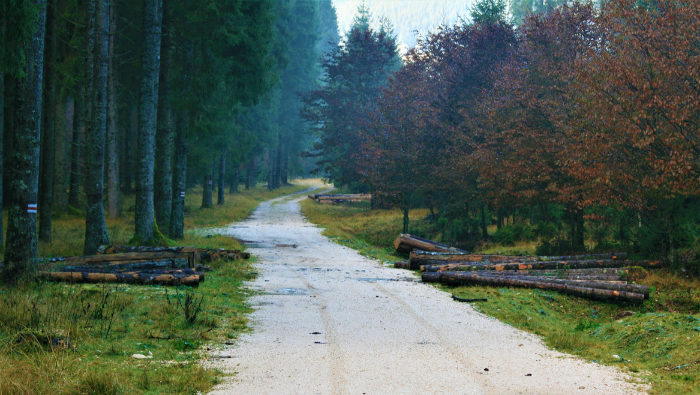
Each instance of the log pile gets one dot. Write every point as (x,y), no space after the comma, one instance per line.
(597,276)
(340,198)
(606,279)
(136,265)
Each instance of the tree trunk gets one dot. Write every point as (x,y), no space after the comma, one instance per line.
(2,138)
(64,133)
(113,201)
(177,216)
(22,245)
(76,147)
(278,166)
(46,174)
(249,173)
(88,93)
(222,179)
(271,169)
(130,137)
(285,168)
(95,226)
(207,198)
(164,141)
(235,179)
(484,228)
(148,108)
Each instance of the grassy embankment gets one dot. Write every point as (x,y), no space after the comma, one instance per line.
(80,338)
(659,344)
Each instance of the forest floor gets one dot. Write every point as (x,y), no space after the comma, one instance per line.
(658,344)
(106,339)
(330,321)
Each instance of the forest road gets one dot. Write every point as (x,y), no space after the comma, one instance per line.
(329,321)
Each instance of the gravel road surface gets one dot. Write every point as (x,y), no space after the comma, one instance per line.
(329,321)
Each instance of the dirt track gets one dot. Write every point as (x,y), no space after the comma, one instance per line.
(329,321)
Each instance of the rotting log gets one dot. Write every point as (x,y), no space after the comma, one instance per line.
(128,256)
(126,278)
(407,243)
(460,278)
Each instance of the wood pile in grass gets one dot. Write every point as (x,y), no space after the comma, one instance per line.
(341,198)
(136,265)
(595,276)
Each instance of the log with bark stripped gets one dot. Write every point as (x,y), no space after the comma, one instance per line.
(127,278)
(407,243)
(460,278)
(418,258)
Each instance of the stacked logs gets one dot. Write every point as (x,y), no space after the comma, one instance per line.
(136,265)
(598,276)
(340,198)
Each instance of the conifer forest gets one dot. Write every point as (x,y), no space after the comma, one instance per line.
(101,99)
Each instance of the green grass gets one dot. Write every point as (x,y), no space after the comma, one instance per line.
(659,344)
(106,324)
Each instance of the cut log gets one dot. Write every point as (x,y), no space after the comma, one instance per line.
(642,289)
(419,258)
(469,300)
(129,256)
(401,265)
(459,278)
(199,254)
(407,243)
(127,278)
(613,256)
(554,265)
(159,264)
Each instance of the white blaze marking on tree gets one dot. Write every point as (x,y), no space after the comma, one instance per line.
(182,194)
(31,208)
(209,182)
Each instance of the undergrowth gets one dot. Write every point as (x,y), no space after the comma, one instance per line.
(60,338)
(657,342)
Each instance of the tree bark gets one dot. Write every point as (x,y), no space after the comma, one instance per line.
(408,243)
(235,179)
(128,278)
(129,138)
(22,245)
(249,173)
(164,134)
(457,278)
(2,138)
(113,199)
(177,216)
(222,179)
(64,135)
(76,145)
(148,108)
(95,225)
(48,133)
(207,195)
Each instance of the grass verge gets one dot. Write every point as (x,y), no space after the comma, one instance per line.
(658,342)
(82,338)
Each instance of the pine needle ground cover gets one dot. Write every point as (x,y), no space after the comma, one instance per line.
(81,338)
(658,342)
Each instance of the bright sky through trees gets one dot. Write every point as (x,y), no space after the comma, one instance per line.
(407,16)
